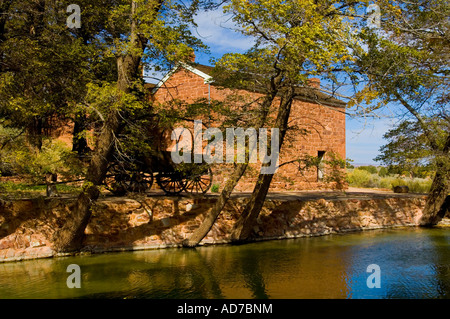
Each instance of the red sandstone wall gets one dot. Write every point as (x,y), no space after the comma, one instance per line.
(27,226)
(325,126)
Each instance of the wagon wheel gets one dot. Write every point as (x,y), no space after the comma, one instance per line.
(117,180)
(140,182)
(200,181)
(171,183)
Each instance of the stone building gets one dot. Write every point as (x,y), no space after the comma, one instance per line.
(321,115)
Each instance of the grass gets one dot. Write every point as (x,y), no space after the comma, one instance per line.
(362,178)
(355,178)
(21,190)
(215,188)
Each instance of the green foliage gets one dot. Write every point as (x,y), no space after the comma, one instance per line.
(419,185)
(408,151)
(349,164)
(370,168)
(44,66)
(16,189)
(17,158)
(335,173)
(293,39)
(410,68)
(415,185)
(49,74)
(383,172)
(7,137)
(215,188)
(54,157)
(360,178)
(422,171)
(412,63)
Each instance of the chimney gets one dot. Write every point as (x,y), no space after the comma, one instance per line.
(314,83)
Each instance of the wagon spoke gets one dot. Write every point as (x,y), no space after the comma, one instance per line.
(171,183)
(200,182)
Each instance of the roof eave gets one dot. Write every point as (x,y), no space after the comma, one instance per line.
(206,78)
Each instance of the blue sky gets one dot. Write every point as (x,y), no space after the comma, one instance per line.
(364,136)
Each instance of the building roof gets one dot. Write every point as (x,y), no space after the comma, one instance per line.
(305,94)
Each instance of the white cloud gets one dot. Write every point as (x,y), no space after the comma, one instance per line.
(217,30)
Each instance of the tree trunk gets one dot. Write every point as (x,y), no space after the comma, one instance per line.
(244,226)
(236,175)
(70,236)
(34,133)
(441,182)
(79,143)
(212,215)
(436,204)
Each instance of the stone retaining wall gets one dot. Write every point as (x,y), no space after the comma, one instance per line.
(27,226)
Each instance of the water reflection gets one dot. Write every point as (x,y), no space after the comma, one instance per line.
(408,262)
(414,264)
(441,265)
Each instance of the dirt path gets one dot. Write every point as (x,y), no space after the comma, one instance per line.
(351,193)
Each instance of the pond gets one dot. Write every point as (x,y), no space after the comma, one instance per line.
(413,263)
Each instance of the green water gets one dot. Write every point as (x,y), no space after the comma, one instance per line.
(414,263)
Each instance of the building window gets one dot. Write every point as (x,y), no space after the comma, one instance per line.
(320,166)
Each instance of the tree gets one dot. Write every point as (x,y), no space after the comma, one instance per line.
(406,63)
(369,168)
(408,148)
(136,31)
(44,67)
(294,41)
(264,104)
(383,172)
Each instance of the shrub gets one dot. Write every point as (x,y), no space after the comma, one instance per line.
(386,182)
(54,157)
(215,188)
(362,178)
(336,175)
(383,172)
(371,169)
(419,185)
(415,185)
(359,178)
